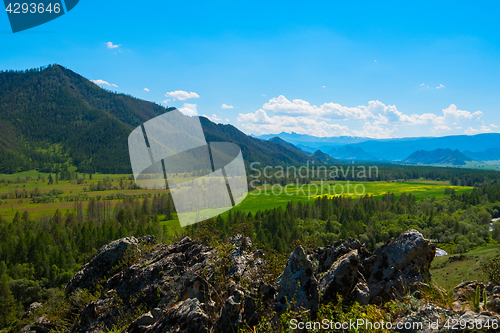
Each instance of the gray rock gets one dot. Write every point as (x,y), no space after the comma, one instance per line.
(145,320)
(341,277)
(107,257)
(297,286)
(396,265)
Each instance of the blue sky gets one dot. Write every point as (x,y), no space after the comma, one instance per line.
(377,69)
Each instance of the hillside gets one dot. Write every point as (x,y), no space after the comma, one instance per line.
(350,153)
(137,285)
(279,140)
(438,156)
(325,158)
(52,117)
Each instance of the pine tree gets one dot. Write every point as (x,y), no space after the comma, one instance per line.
(7,302)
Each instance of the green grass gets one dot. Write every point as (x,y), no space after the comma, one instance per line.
(268,197)
(488,165)
(449,271)
(265,197)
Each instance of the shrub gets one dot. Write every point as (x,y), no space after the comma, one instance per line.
(492,269)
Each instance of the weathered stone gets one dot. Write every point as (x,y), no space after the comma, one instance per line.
(107,257)
(361,293)
(422,320)
(341,277)
(396,265)
(297,286)
(186,317)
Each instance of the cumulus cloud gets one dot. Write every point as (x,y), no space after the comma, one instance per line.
(438,129)
(189,109)
(146,89)
(110,45)
(102,83)
(214,118)
(440,86)
(332,119)
(181,95)
(224,106)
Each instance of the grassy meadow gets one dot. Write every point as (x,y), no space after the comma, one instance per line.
(449,271)
(262,198)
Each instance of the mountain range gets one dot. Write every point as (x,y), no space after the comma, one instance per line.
(484,147)
(51,116)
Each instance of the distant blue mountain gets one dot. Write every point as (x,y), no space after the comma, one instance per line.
(492,154)
(400,148)
(350,153)
(438,156)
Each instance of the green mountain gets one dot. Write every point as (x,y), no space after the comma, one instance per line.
(438,156)
(279,140)
(52,117)
(324,158)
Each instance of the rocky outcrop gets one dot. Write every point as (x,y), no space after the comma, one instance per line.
(347,268)
(183,287)
(398,264)
(297,285)
(107,257)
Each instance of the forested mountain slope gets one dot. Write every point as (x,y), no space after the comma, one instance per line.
(51,117)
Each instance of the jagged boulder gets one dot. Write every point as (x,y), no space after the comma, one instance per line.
(107,257)
(297,286)
(397,265)
(184,317)
(341,277)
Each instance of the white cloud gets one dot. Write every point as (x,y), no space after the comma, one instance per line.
(471,131)
(189,109)
(438,129)
(482,129)
(112,46)
(440,86)
(375,60)
(323,86)
(214,118)
(146,89)
(224,106)
(102,82)
(227,120)
(181,95)
(493,125)
(331,119)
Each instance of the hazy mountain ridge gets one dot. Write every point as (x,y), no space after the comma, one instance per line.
(350,153)
(492,154)
(398,149)
(438,156)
